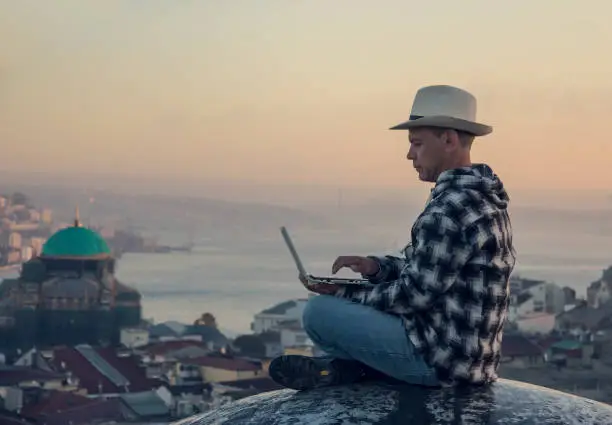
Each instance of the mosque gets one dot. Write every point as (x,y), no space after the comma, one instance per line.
(68,295)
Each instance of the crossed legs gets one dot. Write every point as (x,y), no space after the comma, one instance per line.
(351,331)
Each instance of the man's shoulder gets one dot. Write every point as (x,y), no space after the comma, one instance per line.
(450,203)
(463,207)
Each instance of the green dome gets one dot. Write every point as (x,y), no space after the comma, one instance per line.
(76,242)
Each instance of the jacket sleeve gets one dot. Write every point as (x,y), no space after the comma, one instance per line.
(440,252)
(389,268)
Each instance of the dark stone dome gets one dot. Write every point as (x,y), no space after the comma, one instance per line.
(505,402)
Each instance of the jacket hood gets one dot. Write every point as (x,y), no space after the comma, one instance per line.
(477,177)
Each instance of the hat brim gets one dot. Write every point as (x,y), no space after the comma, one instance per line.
(474,128)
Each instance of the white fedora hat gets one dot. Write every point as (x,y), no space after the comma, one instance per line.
(446,107)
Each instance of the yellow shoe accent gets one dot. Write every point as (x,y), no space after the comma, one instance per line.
(324,372)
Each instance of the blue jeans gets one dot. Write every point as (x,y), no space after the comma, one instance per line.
(351,331)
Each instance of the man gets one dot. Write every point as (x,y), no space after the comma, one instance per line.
(434,317)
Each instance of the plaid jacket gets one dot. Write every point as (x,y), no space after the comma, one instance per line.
(451,288)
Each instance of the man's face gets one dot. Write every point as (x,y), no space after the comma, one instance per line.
(428,152)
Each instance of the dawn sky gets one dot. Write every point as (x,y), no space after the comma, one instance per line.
(301,91)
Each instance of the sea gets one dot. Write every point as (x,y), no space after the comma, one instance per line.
(236,271)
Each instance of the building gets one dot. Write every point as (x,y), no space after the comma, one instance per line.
(14,240)
(534,296)
(218,369)
(292,334)
(134,337)
(270,318)
(536,323)
(585,319)
(46,216)
(68,295)
(600,291)
(518,351)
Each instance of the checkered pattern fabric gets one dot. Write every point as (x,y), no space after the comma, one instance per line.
(451,287)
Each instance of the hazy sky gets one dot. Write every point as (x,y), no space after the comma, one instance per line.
(299,91)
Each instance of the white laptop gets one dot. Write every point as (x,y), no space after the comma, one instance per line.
(317,279)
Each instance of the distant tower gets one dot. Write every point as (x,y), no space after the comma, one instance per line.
(77,219)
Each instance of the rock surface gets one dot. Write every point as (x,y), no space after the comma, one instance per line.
(505,402)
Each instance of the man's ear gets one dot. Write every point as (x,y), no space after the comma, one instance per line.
(451,140)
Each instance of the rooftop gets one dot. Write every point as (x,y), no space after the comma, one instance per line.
(15,375)
(290,325)
(588,317)
(280,309)
(145,404)
(208,334)
(567,345)
(514,345)
(260,384)
(55,401)
(530,283)
(225,363)
(76,242)
(100,370)
(166,347)
(504,402)
(523,297)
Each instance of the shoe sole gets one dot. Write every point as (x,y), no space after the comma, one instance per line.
(298,373)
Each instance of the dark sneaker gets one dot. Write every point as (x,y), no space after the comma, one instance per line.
(303,373)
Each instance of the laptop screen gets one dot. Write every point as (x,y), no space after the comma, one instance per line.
(294,254)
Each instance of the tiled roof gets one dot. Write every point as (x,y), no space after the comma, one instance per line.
(523,297)
(53,402)
(280,309)
(14,375)
(225,363)
(131,369)
(93,380)
(591,318)
(567,345)
(523,283)
(145,404)
(166,347)
(208,334)
(261,384)
(162,330)
(547,342)
(9,418)
(269,337)
(100,410)
(290,325)
(519,346)
(530,283)
(198,388)
(59,407)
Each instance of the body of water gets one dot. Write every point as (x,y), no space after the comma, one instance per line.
(234,283)
(235,272)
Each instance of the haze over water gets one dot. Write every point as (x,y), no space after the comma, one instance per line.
(240,264)
(285,103)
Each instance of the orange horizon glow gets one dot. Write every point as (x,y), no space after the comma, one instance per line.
(301,92)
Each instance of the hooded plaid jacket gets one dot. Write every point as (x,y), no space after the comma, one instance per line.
(451,287)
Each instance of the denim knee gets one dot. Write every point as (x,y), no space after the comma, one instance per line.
(317,312)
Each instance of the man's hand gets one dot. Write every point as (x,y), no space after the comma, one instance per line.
(319,288)
(363,265)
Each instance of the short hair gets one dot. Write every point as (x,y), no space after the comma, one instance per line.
(465,138)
